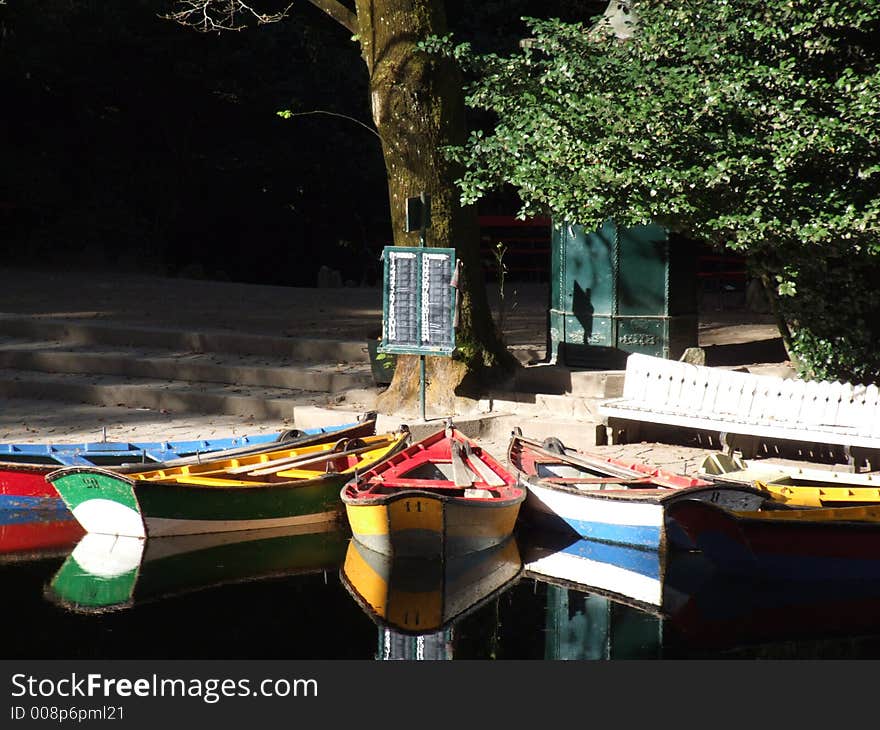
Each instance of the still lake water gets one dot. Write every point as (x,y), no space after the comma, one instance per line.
(316,594)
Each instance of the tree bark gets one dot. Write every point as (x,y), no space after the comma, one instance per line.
(418,108)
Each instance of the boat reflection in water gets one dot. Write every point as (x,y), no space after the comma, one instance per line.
(603,600)
(417,601)
(28,534)
(107,573)
(606,601)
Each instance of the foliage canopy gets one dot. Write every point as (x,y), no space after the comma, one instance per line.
(751,125)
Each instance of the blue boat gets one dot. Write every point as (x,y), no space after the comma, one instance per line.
(23,467)
(105,453)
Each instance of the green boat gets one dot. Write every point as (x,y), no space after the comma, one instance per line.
(302,489)
(110,573)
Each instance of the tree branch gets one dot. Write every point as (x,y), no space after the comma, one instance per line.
(339,13)
(286,114)
(216,15)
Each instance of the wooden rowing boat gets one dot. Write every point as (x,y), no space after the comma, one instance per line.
(256,491)
(106,453)
(23,484)
(444,495)
(609,500)
(795,484)
(815,544)
(421,595)
(109,573)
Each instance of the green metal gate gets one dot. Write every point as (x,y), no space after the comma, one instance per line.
(615,291)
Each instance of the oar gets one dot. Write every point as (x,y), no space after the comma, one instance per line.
(315,459)
(595,480)
(206,456)
(461,475)
(246,468)
(535,443)
(483,469)
(578,460)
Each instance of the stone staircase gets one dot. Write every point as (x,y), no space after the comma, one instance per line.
(207,371)
(306,381)
(553,400)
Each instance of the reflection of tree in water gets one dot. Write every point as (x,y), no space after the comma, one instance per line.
(587,626)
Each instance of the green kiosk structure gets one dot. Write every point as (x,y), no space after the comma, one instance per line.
(615,291)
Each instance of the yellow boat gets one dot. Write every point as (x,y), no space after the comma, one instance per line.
(283,465)
(796,485)
(441,496)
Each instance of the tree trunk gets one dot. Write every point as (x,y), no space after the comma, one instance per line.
(776,311)
(418,108)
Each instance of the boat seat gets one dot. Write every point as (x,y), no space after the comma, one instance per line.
(476,493)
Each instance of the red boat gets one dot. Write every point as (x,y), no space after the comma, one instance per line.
(29,534)
(24,486)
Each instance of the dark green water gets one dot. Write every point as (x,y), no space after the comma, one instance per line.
(303,598)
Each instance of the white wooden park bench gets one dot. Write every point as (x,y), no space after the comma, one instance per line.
(746,410)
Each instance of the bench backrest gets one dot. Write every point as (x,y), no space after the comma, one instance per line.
(672,386)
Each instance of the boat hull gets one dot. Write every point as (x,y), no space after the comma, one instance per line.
(804,545)
(626,516)
(416,523)
(107,503)
(26,535)
(24,486)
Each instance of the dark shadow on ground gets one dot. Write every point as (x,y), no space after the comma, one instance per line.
(746,353)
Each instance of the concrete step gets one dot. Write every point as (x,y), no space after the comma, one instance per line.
(581,435)
(542,404)
(560,380)
(173,396)
(243,370)
(87,332)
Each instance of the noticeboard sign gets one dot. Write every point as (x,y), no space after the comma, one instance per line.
(418,301)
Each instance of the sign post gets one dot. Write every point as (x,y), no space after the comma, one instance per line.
(419,298)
